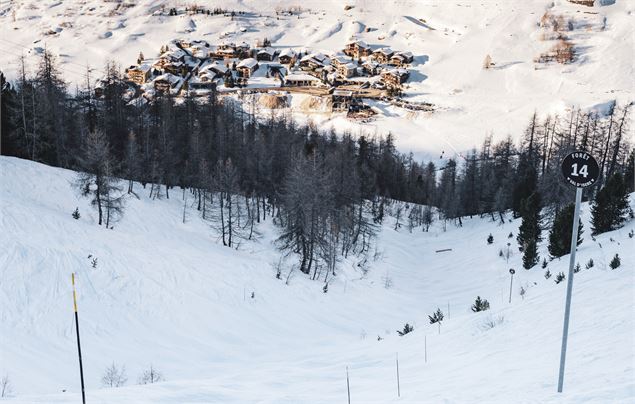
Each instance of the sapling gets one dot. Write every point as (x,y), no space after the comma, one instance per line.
(615,262)
(480,305)
(560,277)
(547,274)
(407,328)
(589,264)
(76,214)
(490,239)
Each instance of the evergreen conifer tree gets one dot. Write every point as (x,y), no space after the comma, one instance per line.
(610,206)
(560,234)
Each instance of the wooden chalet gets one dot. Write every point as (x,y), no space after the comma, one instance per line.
(139,74)
(296,79)
(287,56)
(383,55)
(357,49)
(347,70)
(247,66)
(401,58)
(266,54)
(168,84)
(395,77)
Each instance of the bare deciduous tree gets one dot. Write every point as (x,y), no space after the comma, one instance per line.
(114,376)
(151,376)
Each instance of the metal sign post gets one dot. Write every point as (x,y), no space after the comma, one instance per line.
(511,282)
(581,170)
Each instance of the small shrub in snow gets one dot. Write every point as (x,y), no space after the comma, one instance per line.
(500,253)
(491,322)
(523,292)
(544,263)
(325,289)
(150,376)
(406,330)
(615,262)
(94,262)
(436,317)
(510,235)
(547,274)
(560,277)
(114,376)
(577,268)
(480,305)
(589,264)
(76,214)
(631,234)
(5,386)
(490,239)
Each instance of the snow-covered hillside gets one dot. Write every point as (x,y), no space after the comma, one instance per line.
(450,41)
(166,293)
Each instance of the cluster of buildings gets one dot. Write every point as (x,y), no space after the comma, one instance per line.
(201,67)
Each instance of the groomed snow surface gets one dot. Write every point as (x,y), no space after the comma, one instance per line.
(169,294)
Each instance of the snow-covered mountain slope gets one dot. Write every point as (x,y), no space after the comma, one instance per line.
(450,40)
(166,293)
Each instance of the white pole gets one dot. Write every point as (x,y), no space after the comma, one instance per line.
(398,386)
(348,386)
(567,307)
(511,282)
(425,348)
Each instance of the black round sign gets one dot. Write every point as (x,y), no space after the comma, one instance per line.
(511,271)
(580,169)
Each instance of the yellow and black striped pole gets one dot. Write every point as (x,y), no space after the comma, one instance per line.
(79,347)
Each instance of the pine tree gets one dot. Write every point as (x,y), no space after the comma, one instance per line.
(76,214)
(406,329)
(480,305)
(529,230)
(615,262)
(490,239)
(530,255)
(530,226)
(436,317)
(560,234)
(610,206)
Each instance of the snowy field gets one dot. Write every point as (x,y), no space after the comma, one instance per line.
(450,40)
(166,293)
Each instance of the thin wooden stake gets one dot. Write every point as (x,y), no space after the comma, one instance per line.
(425,348)
(398,386)
(348,386)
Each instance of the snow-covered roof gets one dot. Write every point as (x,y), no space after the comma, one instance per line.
(396,72)
(341,59)
(267,51)
(385,51)
(300,77)
(406,54)
(174,54)
(350,66)
(215,66)
(144,67)
(359,43)
(169,77)
(249,63)
(287,52)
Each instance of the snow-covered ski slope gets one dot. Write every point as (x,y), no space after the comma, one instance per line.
(168,294)
(450,40)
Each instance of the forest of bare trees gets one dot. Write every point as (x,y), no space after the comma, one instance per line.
(326,191)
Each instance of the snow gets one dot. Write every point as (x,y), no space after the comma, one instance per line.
(449,41)
(167,293)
